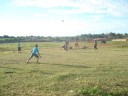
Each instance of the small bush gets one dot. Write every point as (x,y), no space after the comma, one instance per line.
(98,91)
(92,91)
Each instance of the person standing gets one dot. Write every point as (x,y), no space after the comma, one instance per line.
(35,53)
(76,45)
(66,45)
(19,47)
(95,45)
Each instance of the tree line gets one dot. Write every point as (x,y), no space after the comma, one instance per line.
(82,37)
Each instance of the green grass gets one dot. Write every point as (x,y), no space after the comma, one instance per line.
(77,72)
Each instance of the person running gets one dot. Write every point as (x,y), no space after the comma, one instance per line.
(34,52)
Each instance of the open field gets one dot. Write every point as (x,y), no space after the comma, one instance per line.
(77,72)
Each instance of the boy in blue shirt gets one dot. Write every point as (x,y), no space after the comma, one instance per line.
(35,52)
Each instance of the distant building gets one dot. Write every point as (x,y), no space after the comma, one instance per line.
(102,40)
(120,39)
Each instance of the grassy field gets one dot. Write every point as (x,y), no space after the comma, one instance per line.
(77,72)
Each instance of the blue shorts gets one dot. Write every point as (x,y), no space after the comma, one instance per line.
(34,55)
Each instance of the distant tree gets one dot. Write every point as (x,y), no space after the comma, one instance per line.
(120,36)
(112,35)
(125,35)
(5,36)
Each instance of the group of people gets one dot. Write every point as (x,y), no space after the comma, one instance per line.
(35,50)
(66,45)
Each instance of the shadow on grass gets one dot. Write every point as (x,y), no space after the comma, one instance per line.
(9,68)
(67,65)
(7,61)
(56,64)
(9,72)
(39,71)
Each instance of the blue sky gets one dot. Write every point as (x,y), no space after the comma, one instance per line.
(45,17)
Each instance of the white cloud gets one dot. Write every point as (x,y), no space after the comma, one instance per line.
(115,8)
(118,9)
(43,3)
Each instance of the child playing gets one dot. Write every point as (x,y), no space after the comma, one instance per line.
(35,52)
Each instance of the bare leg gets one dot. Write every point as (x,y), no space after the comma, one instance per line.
(37,60)
(29,58)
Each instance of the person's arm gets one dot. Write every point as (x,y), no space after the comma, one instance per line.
(39,54)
